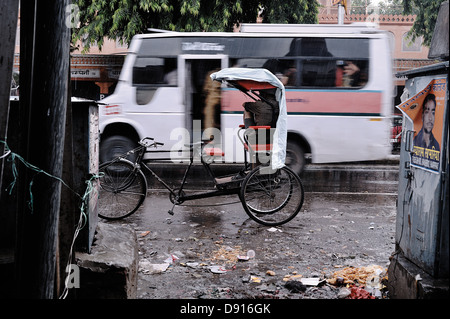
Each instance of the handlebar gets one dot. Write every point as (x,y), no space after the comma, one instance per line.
(144,142)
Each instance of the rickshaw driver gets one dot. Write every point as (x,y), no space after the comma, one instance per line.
(264,77)
(262,113)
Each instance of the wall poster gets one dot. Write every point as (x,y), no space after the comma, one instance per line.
(426,110)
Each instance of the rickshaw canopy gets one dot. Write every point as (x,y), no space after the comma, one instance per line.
(250,85)
(260,79)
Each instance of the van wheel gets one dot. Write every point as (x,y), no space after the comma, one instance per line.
(114,146)
(295,157)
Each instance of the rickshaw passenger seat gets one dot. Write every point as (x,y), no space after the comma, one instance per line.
(264,147)
(259,147)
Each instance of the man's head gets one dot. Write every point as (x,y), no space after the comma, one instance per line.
(428,112)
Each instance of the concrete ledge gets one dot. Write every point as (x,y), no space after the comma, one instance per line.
(367,177)
(408,281)
(110,270)
(378,179)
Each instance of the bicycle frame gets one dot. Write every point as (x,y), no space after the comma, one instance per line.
(224,185)
(181,197)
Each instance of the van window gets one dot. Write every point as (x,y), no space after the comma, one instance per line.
(284,69)
(307,62)
(318,63)
(155,71)
(333,62)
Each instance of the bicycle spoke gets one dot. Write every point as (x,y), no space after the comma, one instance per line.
(272,199)
(122,189)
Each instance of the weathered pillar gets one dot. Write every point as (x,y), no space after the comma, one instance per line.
(45,40)
(8,29)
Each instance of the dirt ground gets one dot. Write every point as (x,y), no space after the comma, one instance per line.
(205,250)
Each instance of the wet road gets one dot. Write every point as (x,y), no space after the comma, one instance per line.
(332,231)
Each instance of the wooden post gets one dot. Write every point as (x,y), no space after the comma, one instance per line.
(43,99)
(69,205)
(8,30)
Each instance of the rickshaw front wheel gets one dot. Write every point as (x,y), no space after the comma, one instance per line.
(272,197)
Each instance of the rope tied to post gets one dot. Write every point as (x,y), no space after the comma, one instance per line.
(13,157)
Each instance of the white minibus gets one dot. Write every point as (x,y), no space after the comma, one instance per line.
(338,81)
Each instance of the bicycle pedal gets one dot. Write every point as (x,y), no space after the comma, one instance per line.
(170,212)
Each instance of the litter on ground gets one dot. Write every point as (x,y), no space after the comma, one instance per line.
(356,275)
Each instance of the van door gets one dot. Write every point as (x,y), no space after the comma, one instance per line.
(201,94)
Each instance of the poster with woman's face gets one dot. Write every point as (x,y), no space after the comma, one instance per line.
(426,110)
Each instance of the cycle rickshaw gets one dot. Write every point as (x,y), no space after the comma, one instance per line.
(270,192)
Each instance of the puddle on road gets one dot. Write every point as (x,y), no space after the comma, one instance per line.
(204,217)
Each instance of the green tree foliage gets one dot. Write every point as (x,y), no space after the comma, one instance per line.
(122,19)
(426,11)
(380,7)
(426,18)
(282,11)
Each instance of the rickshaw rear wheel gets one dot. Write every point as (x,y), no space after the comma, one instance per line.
(272,197)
